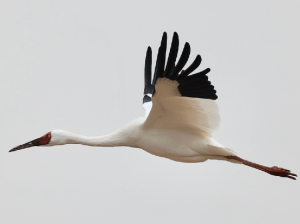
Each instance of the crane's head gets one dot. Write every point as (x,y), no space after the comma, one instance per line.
(44,140)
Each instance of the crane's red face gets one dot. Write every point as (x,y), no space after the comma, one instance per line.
(44,140)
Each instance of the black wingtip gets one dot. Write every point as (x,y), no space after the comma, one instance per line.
(161,57)
(182,61)
(164,40)
(195,85)
(148,64)
(187,45)
(172,55)
(175,38)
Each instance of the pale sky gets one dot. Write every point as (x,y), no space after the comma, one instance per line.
(79,65)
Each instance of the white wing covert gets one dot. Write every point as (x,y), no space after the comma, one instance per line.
(179,98)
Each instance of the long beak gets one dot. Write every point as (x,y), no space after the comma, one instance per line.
(35,142)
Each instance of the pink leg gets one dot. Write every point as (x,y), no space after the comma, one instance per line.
(276,171)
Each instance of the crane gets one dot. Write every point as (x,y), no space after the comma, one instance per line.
(181,116)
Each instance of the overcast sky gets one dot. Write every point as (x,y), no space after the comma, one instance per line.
(78,66)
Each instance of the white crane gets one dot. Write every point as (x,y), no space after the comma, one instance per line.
(180,116)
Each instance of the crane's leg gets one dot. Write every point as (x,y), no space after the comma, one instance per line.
(276,171)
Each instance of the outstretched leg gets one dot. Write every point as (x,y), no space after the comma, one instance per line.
(276,171)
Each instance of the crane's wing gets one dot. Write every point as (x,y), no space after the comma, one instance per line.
(175,97)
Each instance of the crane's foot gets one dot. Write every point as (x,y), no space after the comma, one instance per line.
(277,171)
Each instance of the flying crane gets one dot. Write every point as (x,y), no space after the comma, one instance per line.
(180,116)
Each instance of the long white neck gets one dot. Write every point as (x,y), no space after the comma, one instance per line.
(60,137)
(128,135)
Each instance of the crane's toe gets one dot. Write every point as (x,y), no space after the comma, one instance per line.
(277,171)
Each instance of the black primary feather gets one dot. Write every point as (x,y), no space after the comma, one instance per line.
(183,75)
(172,55)
(181,62)
(195,85)
(161,57)
(148,64)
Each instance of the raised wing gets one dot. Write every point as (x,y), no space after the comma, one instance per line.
(179,99)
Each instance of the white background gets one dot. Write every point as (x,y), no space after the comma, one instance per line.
(78,66)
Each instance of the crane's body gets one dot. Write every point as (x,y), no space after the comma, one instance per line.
(180,116)
(180,145)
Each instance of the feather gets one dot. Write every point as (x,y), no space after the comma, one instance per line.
(182,61)
(172,55)
(194,113)
(184,74)
(148,63)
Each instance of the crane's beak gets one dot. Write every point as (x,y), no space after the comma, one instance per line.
(44,140)
(26,145)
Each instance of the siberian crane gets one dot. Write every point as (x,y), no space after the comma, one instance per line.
(181,115)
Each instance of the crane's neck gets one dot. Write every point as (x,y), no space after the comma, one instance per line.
(59,137)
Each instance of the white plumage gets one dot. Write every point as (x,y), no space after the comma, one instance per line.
(181,128)
(181,116)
